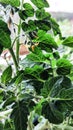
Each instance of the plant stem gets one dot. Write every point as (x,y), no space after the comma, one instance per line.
(15,41)
(14,58)
(52,68)
(18,41)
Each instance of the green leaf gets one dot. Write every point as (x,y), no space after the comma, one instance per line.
(37,84)
(61,105)
(40,3)
(51,113)
(53,86)
(63,70)
(46,73)
(57,84)
(63,62)
(28,12)
(14,3)
(45,40)
(56,88)
(56,55)
(41,33)
(28,6)
(4,27)
(68,41)
(35,70)
(19,79)
(55,27)
(41,14)
(22,14)
(25,26)
(20,115)
(29,27)
(66,94)
(43,25)
(6,75)
(64,106)
(63,66)
(5,40)
(48,86)
(37,56)
(66,83)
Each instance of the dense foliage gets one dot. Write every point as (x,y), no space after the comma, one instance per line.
(42,85)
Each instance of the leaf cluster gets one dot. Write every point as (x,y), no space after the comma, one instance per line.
(43,84)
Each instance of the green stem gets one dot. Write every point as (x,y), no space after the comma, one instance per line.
(52,68)
(14,58)
(18,41)
(59,99)
(15,41)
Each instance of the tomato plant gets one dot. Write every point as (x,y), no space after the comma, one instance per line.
(40,89)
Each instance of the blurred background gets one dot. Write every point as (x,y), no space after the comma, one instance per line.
(62,10)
